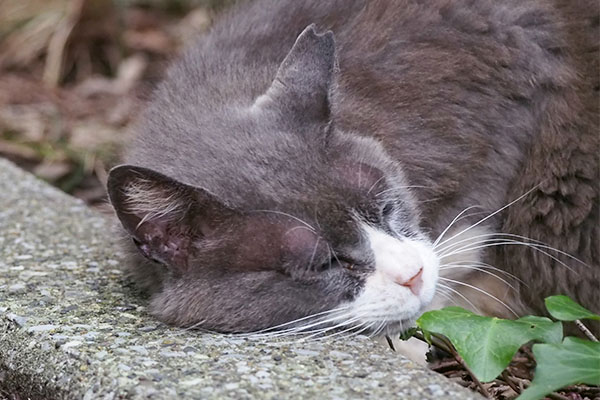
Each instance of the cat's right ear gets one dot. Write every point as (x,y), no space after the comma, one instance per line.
(304,78)
(163,216)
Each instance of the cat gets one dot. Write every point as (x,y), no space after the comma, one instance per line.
(345,164)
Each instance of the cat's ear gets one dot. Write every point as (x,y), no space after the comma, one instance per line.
(305,76)
(163,216)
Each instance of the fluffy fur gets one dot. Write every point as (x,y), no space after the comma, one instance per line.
(281,146)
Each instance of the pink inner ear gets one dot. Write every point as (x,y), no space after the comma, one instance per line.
(168,246)
(361,176)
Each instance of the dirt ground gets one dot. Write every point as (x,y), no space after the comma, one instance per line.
(75,73)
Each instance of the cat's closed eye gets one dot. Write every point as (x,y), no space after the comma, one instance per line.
(336,262)
(387,210)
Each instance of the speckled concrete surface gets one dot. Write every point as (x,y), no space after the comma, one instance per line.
(71,327)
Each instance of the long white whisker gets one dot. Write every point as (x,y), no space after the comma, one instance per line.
(337,333)
(446,296)
(484,266)
(482,270)
(365,313)
(540,243)
(470,240)
(508,242)
(482,291)
(375,184)
(491,215)
(346,333)
(302,328)
(196,326)
(312,258)
(322,331)
(350,329)
(462,296)
(363,327)
(501,236)
(335,255)
(380,328)
(450,225)
(312,316)
(295,228)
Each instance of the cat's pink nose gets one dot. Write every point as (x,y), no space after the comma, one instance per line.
(414,283)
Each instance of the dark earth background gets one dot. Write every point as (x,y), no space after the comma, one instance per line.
(75,73)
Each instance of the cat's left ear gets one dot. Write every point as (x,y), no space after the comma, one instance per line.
(305,76)
(164,217)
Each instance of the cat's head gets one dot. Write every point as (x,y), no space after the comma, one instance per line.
(342,244)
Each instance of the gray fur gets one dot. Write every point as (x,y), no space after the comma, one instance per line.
(471,102)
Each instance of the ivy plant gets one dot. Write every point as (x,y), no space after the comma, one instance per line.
(485,345)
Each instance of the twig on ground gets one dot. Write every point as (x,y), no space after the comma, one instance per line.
(390,343)
(446,365)
(557,396)
(585,330)
(525,383)
(506,378)
(594,391)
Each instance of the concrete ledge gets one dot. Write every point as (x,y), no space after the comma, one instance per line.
(71,327)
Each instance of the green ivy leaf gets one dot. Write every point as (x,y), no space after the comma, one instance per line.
(487,344)
(563,308)
(559,365)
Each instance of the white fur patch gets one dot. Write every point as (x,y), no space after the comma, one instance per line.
(384,298)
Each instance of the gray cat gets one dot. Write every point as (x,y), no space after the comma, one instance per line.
(349,164)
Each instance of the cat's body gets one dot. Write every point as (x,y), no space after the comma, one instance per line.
(433,107)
